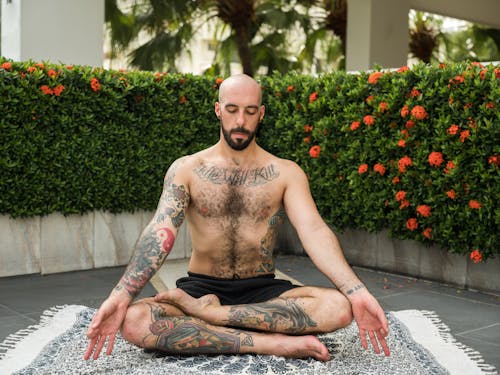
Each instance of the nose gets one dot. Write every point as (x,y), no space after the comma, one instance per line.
(240,119)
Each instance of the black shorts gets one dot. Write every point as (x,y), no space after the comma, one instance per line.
(235,291)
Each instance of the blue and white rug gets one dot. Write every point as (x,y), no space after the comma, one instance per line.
(420,344)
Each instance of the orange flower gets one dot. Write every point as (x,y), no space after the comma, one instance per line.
(307,139)
(46,90)
(219,80)
(379,167)
(427,233)
(374,77)
(402,143)
(449,166)
(414,92)
(400,195)
(290,88)
(405,203)
(363,168)
(404,162)
(58,90)
(405,111)
(464,134)
(424,210)
(403,69)
(497,73)
(482,73)
(451,194)
(52,73)
(308,128)
(368,120)
(69,67)
(95,85)
(476,256)
(383,106)
(314,151)
(7,65)
(355,125)
(404,133)
(475,205)
(410,124)
(30,69)
(395,180)
(435,159)
(457,79)
(313,97)
(182,99)
(419,112)
(369,99)
(453,129)
(490,105)
(494,159)
(412,224)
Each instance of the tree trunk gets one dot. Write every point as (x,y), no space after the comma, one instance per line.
(244,49)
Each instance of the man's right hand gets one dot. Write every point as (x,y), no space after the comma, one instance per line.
(105,324)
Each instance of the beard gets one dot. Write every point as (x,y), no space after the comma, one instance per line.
(239,144)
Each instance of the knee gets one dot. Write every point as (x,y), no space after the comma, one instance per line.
(340,311)
(132,327)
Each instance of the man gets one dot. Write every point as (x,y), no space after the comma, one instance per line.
(233,195)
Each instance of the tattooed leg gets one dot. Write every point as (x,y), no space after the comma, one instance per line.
(155,329)
(288,314)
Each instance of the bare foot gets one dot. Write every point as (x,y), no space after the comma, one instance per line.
(298,347)
(203,308)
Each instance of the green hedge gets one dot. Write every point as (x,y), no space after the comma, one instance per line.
(75,139)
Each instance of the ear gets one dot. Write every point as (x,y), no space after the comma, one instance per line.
(217,109)
(262,112)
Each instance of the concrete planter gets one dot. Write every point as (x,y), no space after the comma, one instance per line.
(379,251)
(58,243)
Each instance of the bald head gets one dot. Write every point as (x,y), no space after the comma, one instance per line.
(241,83)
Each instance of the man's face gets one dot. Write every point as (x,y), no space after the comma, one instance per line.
(239,110)
(237,138)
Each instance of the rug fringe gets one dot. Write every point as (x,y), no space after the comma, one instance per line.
(445,333)
(13,339)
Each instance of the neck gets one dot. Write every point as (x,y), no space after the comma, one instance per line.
(238,158)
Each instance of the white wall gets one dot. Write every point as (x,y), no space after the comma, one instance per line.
(66,31)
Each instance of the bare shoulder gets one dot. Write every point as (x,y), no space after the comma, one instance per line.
(289,170)
(182,166)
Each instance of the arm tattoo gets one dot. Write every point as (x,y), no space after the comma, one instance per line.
(354,289)
(187,335)
(236,176)
(157,239)
(268,241)
(278,315)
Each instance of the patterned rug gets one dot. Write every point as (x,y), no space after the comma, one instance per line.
(420,344)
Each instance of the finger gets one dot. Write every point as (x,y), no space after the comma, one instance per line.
(100,344)
(362,335)
(383,343)
(90,348)
(111,343)
(374,342)
(161,296)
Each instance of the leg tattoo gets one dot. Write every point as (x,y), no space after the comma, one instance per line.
(187,335)
(277,315)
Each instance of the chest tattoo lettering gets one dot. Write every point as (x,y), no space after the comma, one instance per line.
(236,176)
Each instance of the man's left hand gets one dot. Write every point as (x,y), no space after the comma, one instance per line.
(371,320)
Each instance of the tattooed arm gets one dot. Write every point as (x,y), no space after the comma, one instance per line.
(158,237)
(325,251)
(151,250)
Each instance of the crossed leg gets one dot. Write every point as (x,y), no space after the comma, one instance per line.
(175,322)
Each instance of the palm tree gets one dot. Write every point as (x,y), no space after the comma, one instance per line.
(259,31)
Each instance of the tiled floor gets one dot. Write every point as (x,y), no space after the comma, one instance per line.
(473,317)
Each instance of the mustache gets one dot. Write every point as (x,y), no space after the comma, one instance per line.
(239,130)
